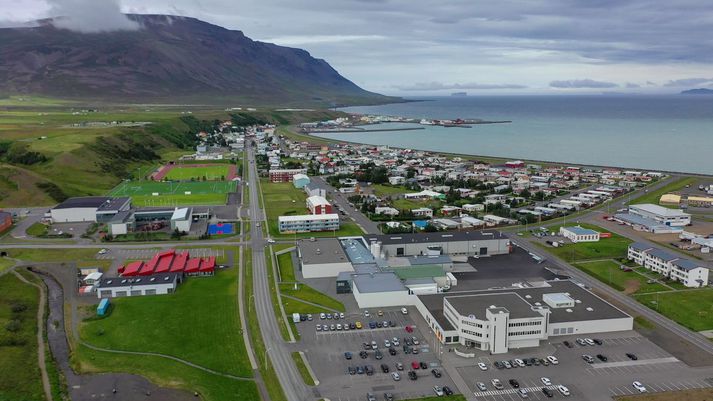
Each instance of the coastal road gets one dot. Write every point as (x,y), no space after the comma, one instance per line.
(275,347)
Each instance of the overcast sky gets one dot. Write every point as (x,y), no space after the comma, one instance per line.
(417,47)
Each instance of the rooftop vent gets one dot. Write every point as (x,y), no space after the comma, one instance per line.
(138,279)
(166,278)
(109,281)
(538,303)
(123,281)
(153,279)
(568,310)
(528,296)
(492,306)
(579,301)
(590,309)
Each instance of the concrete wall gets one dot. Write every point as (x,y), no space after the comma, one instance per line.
(74,214)
(128,291)
(593,326)
(381,300)
(325,269)
(495,247)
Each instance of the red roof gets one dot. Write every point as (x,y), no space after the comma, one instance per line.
(193,265)
(164,264)
(208,264)
(132,269)
(153,262)
(179,262)
(166,253)
(147,270)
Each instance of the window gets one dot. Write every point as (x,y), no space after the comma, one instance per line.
(399,251)
(120,294)
(150,292)
(135,293)
(484,250)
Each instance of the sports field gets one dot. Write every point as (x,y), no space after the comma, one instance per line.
(216,172)
(170,194)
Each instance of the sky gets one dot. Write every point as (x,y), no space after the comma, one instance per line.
(436,47)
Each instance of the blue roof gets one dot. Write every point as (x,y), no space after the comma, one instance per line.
(686,264)
(581,231)
(640,246)
(356,251)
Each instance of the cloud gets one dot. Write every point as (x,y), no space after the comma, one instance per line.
(582,83)
(688,82)
(632,85)
(90,16)
(434,86)
(314,39)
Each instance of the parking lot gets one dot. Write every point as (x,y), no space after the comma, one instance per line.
(325,353)
(596,381)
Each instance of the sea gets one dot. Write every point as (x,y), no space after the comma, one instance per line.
(664,132)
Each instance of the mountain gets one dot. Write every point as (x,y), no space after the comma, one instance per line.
(699,91)
(170,59)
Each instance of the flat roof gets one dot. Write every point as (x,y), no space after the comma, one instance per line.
(476,305)
(580,230)
(661,254)
(181,213)
(307,217)
(587,305)
(640,246)
(659,210)
(113,282)
(83,202)
(421,238)
(641,221)
(377,282)
(321,251)
(424,271)
(687,264)
(356,251)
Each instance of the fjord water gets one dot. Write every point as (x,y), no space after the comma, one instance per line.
(672,132)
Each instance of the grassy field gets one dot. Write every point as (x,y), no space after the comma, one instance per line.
(37,230)
(382,190)
(19,373)
(283,199)
(302,368)
(199,323)
(704,394)
(608,271)
(174,194)
(84,257)
(211,173)
(693,309)
(6,264)
(606,248)
(409,204)
(287,270)
(655,196)
(309,294)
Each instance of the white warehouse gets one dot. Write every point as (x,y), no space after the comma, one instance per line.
(662,215)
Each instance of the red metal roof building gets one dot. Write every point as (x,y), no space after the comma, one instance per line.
(193,266)
(179,262)
(132,269)
(173,262)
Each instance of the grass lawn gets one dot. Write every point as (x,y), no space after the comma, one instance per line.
(693,309)
(167,373)
(287,270)
(198,323)
(608,271)
(302,368)
(6,264)
(655,196)
(283,199)
(409,204)
(294,306)
(84,257)
(606,248)
(37,230)
(211,173)
(19,373)
(175,193)
(309,294)
(275,300)
(382,190)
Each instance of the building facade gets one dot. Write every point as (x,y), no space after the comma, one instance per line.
(308,222)
(689,273)
(479,243)
(579,234)
(285,175)
(319,205)
(662,215)
(158,284)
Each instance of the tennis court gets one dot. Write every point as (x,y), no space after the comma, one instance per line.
(171,194)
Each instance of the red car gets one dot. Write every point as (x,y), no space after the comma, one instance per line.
(409,329)
(415,365)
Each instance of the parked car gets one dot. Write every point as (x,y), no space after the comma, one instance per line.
(546,381)
(366,313)
(392,351)
(358,325)
(395,341)
(412,375)
(369,370)
(447,390)
(415,365)
(370,397)
(567,344)
(341,315)
(380,312)
(507,365)
(415,341)
(378,355)
(497,384)
(522,393)
(588,358)
(384,368)
(482,366)
(372,325)
(351,370)
(436,373)
(319,327)
(360,370)
(332,327)
(514,383)
(563,390)
(396,376)
(639,387)
(404,311)
(499,365)
(348,355)
(325,327)
(598,341)
(379,324)
(581,342)
(409,329)
(339,326)
(388,397)
(387,343)
(414,350)
(438,390)
(602,358)
(424,365)
(631,356)
(520,362)
(481,386)
(547,392)
(374,345)
(553,360)
(363,354)
(589,341)
(399,366)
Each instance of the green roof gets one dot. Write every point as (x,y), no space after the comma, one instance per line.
(422,271)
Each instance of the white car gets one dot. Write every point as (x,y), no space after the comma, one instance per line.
(270,241)
(497,384)
(395,341)
(404,311)
(553,360)
(589,341)
(322,315)
(639,387)
(520,363)
(438,390)
(564,390)
(339,326)
(366,313)
(482,366)
(102,251)
(341,315)
(396,376)
(546,381)
(481,386)
(387,343)
(522,393)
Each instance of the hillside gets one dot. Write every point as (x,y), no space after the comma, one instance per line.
(169,60)
(698,91)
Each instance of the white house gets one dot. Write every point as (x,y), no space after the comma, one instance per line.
(385,210)
(579,234)
(397,180)
(422,212)
(689,273)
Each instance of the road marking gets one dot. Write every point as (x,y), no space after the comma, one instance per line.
(640,362)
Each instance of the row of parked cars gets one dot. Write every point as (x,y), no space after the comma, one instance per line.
(521,363)
(603,358)
(584,342)
(353,325)
(498,385)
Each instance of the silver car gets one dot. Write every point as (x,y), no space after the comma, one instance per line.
(481,386)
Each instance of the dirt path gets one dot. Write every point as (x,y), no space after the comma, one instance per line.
(40,336)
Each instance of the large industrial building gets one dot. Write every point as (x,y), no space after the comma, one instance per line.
(322,257)
(662,215)
(480,243)
(89,209)
(688,272)
(157,284)
(503,319)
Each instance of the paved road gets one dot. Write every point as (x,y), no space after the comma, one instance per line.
(341,199)
(277,350)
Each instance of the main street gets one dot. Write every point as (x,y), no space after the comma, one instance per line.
(275,347)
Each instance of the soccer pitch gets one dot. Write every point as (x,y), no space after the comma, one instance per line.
(211,173)
(171,194)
